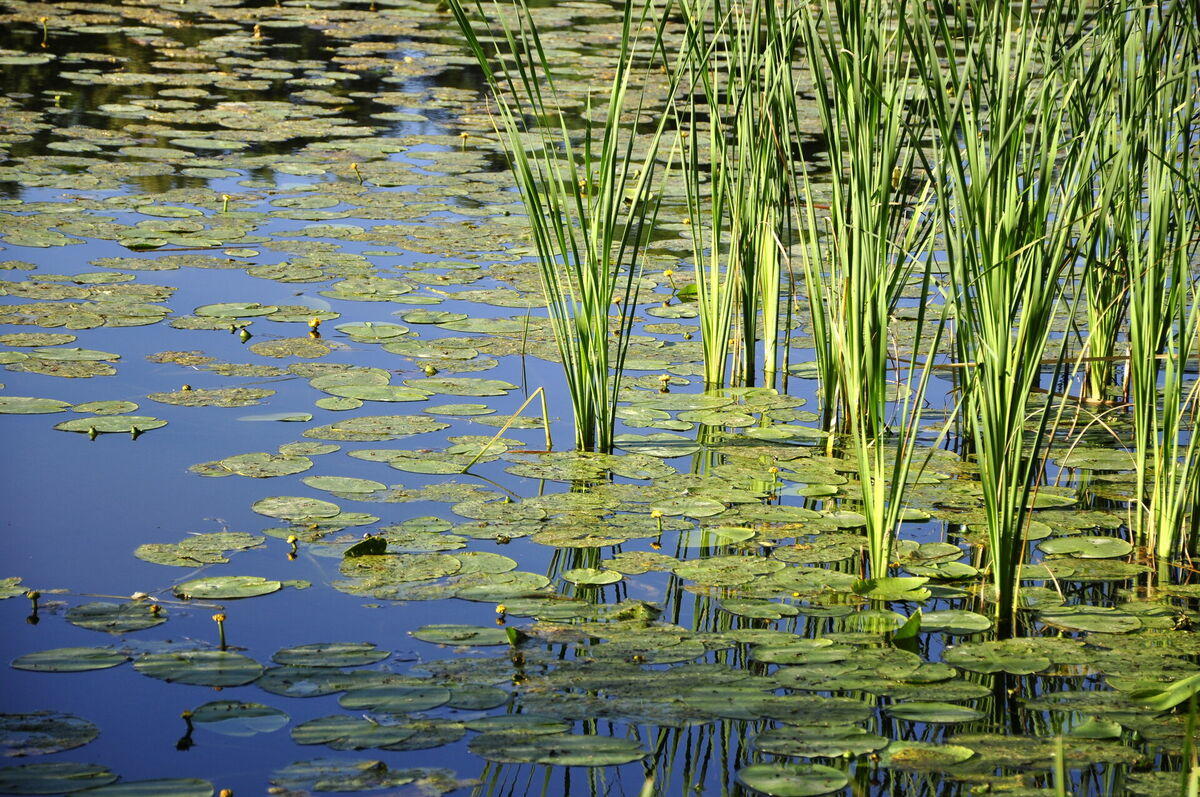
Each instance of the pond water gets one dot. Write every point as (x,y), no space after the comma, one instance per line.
(265,263)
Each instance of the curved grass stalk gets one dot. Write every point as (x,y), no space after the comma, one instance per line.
(588,203)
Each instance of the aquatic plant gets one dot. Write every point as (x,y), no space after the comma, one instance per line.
(739,134)
(589,202)
(1012,199)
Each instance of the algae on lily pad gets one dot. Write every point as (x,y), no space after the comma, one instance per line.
(197,550)
(217,397)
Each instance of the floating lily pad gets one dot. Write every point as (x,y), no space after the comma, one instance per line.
(462,386)
(219,397)
(590,576)
(70,660)
(111,424)
(461,635)
(165,787)
(201,549)
(56,778)
(395,699)
(556,749)
(807,741)
(226,587)
(341,732)
(337,775)
(43,732)
(931,712)
(23,405)
(105,407)
(1086,547)
(295,508)
(1099,619)
(792,780)
(235,718)
(330,654)
(259,465)
(117,618)
(200,667)
(924,756)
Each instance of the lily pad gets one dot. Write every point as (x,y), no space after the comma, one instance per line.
(557,749)
(932,712)
(395,699)
(330,654)
(461,635)
(165,787)
(235,718)
(792,780)
(200,667)
(226,587)
(117,618)
(111,424)
(56,778)
(70,660)
(43,732)
(24,405)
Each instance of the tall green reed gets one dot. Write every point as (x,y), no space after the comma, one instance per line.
(738,131)
(861,257)
(1162,236)
(1013,200)
(589,197)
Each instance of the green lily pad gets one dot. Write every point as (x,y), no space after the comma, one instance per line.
(70,660)
(462,386)
(200,667)
(226,587)
(1086,547)
(295,508)
(955,621)
(373,428)
(343,484)
(932,712)
(341,732)
(43,732)
(24,405)
(924,756)
(461,635)
(111,424)
(808,741)
(330,654)
(659,444)
(590,576)
(557,749)
(395,699)
(165,787)
(328,774)
(105,407)
(235,718)
(219,397)
(117,618)
(236,310)
(56,778)
(258,465)
(1098,619)
(201,549)
(792,780)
